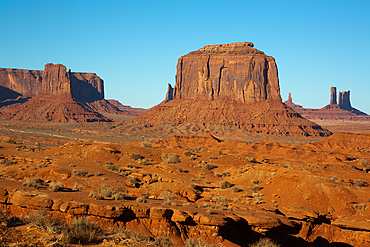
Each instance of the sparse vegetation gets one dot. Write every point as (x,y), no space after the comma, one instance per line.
(141,199)
(190,242)
(80,173)
(359,207)
(136,156)
(11,141)
(236,189)
(96,196)
(56,186)
(171,158)
(77,187)
(197,149)
(81,230)
(256,188)
(212,158)
(264,242)
(7,162)
(188,153)
(358,182)
(113,167)
(209,166)
(225,185)
(33,182)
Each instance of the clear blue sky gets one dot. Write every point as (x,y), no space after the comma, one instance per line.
(134,45)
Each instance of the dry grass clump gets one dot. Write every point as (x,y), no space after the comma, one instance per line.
(191,242)
(129,238)
(33,182)
(56,186)
(141,199)
(197,149)
(113,167)
(81,230)
(265,242)
(80,173)
(256,188)
(77,187)
(137,156)
(11,141)
(45,222)
(9,220)
(225,185)
(209,166)
(358,182)
(171,159)
(7,162)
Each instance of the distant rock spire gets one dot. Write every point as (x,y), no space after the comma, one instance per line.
(344,100)
(333,96)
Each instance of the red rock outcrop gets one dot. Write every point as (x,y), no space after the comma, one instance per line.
(333,113)
(333,96)
(220,88)
(236,70)
(54,80)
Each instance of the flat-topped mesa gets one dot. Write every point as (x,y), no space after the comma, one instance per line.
(236,71)
(54,80)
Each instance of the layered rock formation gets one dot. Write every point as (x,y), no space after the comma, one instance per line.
(220,88)
(236,70)
(54,80)
(336,112)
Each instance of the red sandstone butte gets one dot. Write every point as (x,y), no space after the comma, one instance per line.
(235,70)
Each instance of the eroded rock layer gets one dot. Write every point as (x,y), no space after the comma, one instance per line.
(54,80)
(235,70)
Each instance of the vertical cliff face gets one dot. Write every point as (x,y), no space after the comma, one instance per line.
(86,87)
(237,71)
(20,82)
(333,96)
(344,102)
(54,80)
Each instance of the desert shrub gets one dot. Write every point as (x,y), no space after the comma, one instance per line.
(45,222)
(81,230)
(95,195)
(365,163)
(225,185)
(143,162)
(190,242)
(225,174)
(107,192)
(222,202)
(197,149)
(80,173)
(171,159)
(146,195)
(168,203)
(236,189)
(256,188)
(265,242)
(359,207)
(358,182)
(188,153)
(186,204)
(136,156)
(56,186)
(113,167)
(204,205)
(251,159)
(33,182)
(209,166)
(11,141)
(334,179)
(77,187)
(141,199)
(212,158)
(7,162)
(146,144)
(118,196)
(6,219)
